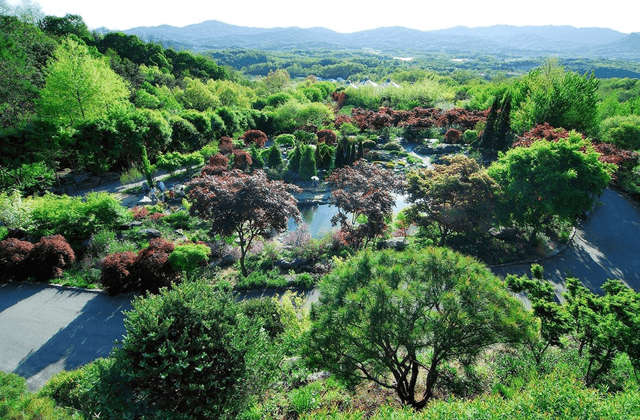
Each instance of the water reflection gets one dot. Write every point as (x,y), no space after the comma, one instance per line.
(318,216)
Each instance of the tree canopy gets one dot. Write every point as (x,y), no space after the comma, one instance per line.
(548,179)
(246,205)
(395,317)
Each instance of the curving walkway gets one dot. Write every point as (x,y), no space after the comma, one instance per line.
(605,246)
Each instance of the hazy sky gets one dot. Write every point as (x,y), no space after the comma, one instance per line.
(346,16)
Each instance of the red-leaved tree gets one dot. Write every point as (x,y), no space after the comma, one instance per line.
(245,205)
(364,195)
(327,136)
(226,145)
(241,160)
(217,164)
(50,257)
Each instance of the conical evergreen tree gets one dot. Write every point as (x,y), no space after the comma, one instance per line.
(274,157)
(503,126)
(294,159)
(307,164)
(487,139)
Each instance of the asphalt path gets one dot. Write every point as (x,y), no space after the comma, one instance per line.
(45,329)
(605,246)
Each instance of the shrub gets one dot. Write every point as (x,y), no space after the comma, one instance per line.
(470,136)
(14,258)
(226,145)
(116,273)
(152,269)
(191,351)
(327,136)
(452,136)
(274,157)
(16,212)
(187,257)
(286,140)
(133,174)
(307,164)
(241,160)
(50,256)
(294,159)
(266,312)
(256,137)
(392,146)
(369,144)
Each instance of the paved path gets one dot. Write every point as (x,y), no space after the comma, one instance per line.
(605,246)
(45,329)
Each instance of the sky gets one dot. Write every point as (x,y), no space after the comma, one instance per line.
(345,16)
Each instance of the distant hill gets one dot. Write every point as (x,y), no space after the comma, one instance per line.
(505,39)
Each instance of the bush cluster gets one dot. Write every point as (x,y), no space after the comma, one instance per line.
(45,260)
(149,270)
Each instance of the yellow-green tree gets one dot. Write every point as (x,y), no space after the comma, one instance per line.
(79,86)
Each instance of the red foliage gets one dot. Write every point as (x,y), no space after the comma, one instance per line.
(217,164)
(339,98)
(363,190)
(151,269)
(453,136)
(241,160)
(139,212)
(14,257)
(342,119)
(116,270)
(244,205)
(327,136)
(256,137)
(226,145)
(50,256)
(541,132)
(156,216)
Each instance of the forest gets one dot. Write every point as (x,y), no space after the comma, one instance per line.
(494,160)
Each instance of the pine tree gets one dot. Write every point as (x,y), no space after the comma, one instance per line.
(503,126)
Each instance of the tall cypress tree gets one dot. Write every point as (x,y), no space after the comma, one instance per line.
(503,126)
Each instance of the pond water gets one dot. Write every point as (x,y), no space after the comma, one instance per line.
(318,217)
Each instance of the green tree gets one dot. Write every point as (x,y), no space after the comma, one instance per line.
(548,179)
(394,318)
(552,95)
(623,131)
(307,167)
(274,157)
(79,86)
(458,196)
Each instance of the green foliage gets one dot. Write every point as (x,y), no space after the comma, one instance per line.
(294,158)
(307,168)
(274,157)
(75,218)
(390,315)
(187,257)
(16,403)
(262,279)
(146,166)
(191,351)
(78,86)
(552,95)
(16,212)
(286,140)
(623,131)
(131,175)
(458,196)
(29,178)
(549,179)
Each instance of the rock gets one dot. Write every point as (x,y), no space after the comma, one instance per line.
(438,149)
(505,234)
(227,260)
(80,178)
(318,376)
(398,244)
(87,243)
(145,200)
(150,233)
(135,223)
(296,263)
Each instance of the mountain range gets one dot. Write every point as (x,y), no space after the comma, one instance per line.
(498,39)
